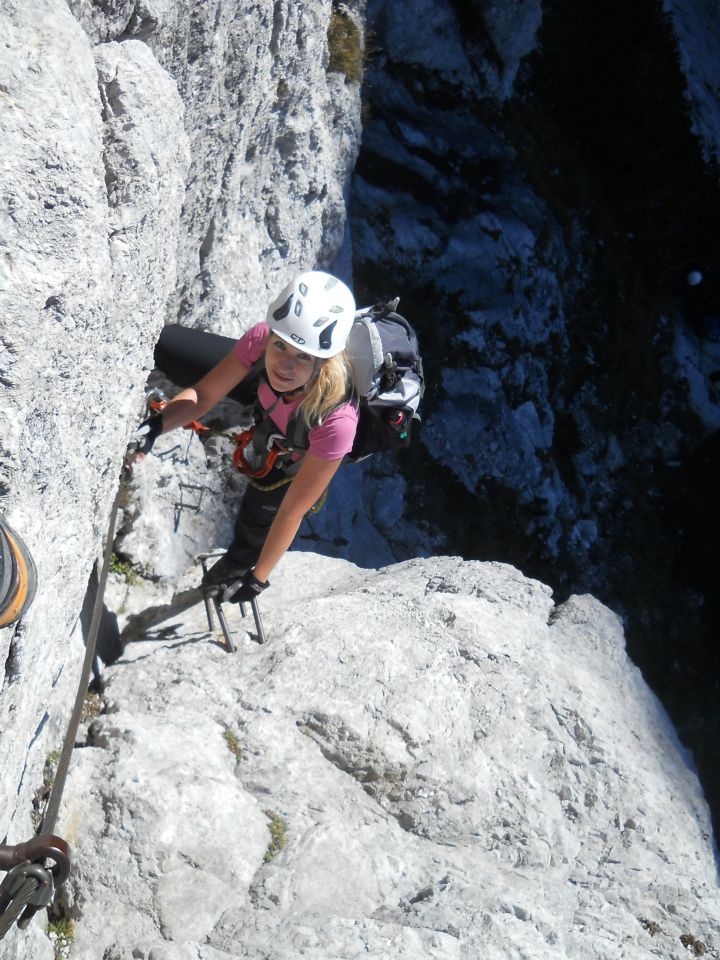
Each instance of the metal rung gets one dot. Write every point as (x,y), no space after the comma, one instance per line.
(223,625)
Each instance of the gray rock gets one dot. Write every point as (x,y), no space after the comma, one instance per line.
(160,161)
(273,136)
(86,283)
(479,49)
(453,766)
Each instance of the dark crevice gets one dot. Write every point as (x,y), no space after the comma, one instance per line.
(107,645)
(618,129)
(12,663)
(278,25)
(207,243)
(141,26)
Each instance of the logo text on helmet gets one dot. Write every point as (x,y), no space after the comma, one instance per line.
(296,338)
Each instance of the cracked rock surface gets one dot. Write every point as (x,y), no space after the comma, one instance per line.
(428,760)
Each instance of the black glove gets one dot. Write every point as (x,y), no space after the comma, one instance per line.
(244,590)
(146,434)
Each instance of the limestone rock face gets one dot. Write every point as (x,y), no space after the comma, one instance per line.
(480,48)
(272,134)
(160,161)
(273,137)
(94,157)
(429,760)
(487,207)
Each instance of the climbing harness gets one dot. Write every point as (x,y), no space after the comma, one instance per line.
(262,447)
(315,508)
(18,575)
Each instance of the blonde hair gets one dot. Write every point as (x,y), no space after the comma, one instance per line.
(328,389)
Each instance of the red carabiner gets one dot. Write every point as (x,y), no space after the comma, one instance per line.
(242,440)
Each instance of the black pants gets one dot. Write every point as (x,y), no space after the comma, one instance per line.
(257,512)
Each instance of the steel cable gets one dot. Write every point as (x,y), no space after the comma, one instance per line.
(18,904)
(27,893)
(53,806)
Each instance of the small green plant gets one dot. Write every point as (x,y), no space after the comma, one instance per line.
(43,791)
(62,933)
(123,569)
(233,744)
(49,771)
(278,836)
(345,46)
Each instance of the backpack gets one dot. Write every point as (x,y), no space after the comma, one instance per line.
(389,385)
(388,375)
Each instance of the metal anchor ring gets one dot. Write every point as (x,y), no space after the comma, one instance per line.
(45,847)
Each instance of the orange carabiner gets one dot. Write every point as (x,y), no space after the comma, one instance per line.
(240,461)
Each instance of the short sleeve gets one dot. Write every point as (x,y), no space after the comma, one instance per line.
(251,345)
(334,438)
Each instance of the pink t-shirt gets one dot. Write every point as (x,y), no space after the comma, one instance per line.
(333,438)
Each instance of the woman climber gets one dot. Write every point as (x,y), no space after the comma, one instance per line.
(306,380)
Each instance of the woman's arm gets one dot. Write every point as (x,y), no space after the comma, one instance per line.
(195,402)
(305,490)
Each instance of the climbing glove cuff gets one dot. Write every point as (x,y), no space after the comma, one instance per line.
(245,590)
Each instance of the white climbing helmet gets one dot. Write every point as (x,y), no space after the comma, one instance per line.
(315,313)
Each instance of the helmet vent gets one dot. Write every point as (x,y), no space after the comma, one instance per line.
(283,310)
(302,287)
(298,308)
(326,336)
(321,321)
(330,283)
(336,308)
